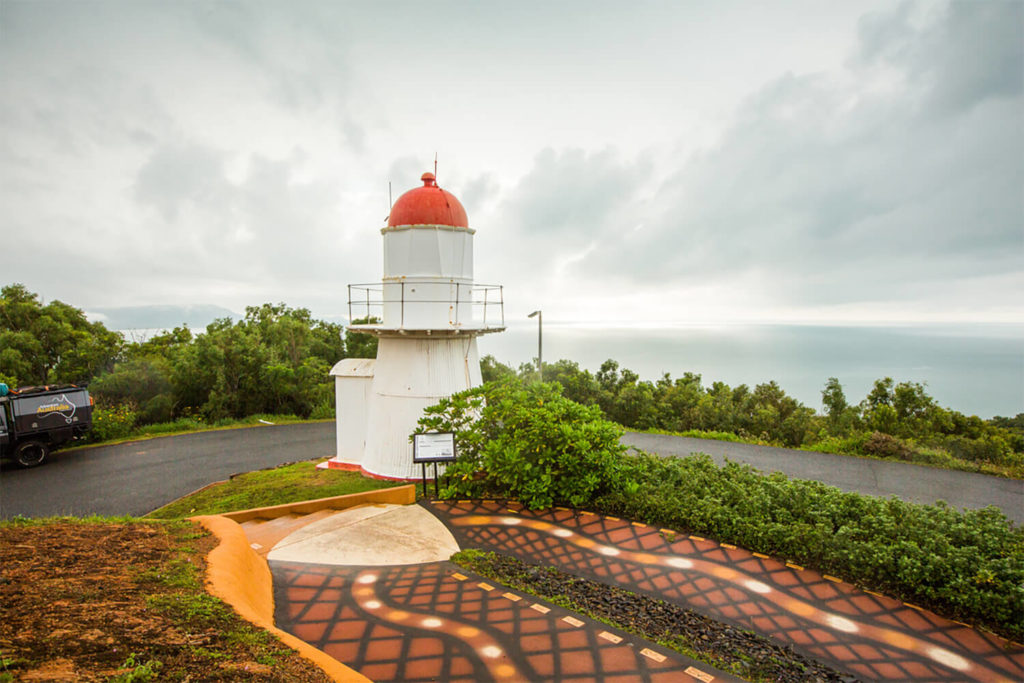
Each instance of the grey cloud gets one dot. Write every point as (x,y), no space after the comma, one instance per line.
(179,174)
(964,54)
(823,202)
(575,193)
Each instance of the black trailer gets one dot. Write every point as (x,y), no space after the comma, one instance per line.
(33,420)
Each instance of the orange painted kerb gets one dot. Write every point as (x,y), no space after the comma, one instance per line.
(237,575)
(240,577)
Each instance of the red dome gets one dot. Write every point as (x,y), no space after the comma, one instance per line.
(428,205)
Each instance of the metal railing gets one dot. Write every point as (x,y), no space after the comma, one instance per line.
(486,303)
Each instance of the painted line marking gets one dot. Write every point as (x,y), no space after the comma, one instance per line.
(255,546)
(877,595)
(485,586)
(459,577)
(794,566)
(436,502)
(614,519)
(667,531)
(562,509)
(540,608)
(640,524)
(586,512)
(572,621)
(651,654)
(511,596)
(487,502)
(730,546)
(697,538)
(699,675)
(833,579)
(611,637)
(761,555)
(463,502)
(961,623)
(919,609)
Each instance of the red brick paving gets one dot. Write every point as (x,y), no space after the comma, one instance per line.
(437,622)
(875,637)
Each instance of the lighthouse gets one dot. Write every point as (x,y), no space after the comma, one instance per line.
(427,313)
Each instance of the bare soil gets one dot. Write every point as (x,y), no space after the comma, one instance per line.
(84,601)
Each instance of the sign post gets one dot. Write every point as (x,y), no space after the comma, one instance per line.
(433,447)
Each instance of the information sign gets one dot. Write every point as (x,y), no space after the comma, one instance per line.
(433,447)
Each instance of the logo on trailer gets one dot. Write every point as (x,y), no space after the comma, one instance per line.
(61,406)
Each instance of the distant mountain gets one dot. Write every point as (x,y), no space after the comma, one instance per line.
(196,316)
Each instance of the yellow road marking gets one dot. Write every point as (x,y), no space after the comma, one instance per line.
(794,566)
(460,577)
(540,608)
(511,596)
(833,579)
(572,621)
(611,637)
(761,555)
(651,654)
(486,586)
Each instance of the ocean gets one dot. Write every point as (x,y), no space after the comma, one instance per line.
(977,369)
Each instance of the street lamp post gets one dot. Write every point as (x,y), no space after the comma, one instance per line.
(540,343)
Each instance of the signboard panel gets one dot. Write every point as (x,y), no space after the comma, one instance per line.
(433,447)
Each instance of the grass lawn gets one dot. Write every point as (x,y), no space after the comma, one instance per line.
(287,484)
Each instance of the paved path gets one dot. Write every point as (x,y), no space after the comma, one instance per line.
(865,475)
(371,587)
(871,636)
(137,477)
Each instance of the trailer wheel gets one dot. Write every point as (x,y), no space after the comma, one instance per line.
(31,453)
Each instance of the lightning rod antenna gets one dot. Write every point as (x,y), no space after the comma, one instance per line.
(435,167)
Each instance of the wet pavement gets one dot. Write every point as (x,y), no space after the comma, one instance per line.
(415,617)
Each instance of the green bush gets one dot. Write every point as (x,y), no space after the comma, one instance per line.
(968,565)
(526,442)
(887,446)
(988,448)
(112,423)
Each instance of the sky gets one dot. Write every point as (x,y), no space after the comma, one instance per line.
(641,163)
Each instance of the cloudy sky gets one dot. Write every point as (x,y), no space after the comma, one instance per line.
(636,162)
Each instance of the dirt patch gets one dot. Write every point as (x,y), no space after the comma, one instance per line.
(110,601)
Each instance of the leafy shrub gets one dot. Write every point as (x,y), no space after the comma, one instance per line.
(969,565)
(887,446)
(985,449)
(112,423)
(323,410)
(526,442)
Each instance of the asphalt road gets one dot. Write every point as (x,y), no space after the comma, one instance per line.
(874,477)
(138,477)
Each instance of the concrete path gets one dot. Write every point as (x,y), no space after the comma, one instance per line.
(914,483)
(351,585)
(871,636)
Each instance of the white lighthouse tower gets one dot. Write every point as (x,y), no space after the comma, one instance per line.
(430,313)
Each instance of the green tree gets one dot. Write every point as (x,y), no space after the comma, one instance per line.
(361,344)
(53,343)
(492,370)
